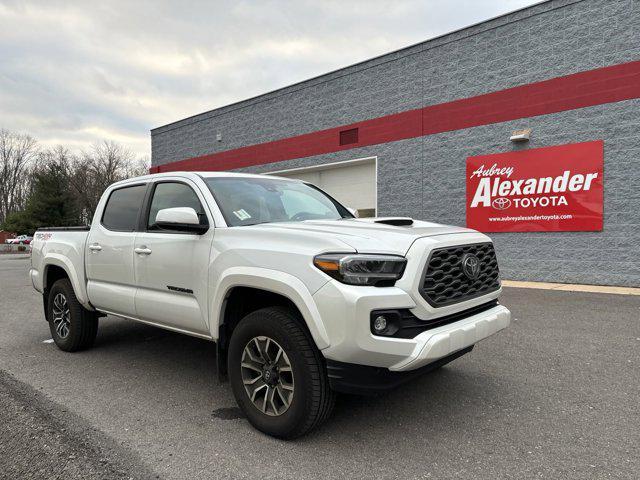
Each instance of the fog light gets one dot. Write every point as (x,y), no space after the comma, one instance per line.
(380,324)
(385,323)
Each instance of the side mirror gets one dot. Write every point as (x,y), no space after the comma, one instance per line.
(353,211)
(181,219)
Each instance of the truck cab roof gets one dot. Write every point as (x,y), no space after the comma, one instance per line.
(195,175)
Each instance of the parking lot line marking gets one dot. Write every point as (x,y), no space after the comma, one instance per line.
(568,287)
(48,341)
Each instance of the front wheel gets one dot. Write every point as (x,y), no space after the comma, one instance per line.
(278,375)
(72,326)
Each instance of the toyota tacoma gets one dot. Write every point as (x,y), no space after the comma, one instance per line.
(302,299)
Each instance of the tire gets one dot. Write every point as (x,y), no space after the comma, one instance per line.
(305,386)
(81,324)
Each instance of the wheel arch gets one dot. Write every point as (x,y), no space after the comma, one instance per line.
(56,267)
(244,290)
(51,274)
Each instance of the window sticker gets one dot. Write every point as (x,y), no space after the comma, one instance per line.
(242,214)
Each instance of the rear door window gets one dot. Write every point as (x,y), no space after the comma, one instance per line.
(123,207)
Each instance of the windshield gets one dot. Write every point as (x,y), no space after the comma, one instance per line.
(250,200)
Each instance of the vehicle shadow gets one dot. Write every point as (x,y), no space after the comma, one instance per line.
(186,365)
(139,341)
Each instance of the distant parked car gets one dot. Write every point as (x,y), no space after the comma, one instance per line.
(20,240)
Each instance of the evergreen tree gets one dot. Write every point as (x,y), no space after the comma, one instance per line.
(51,203)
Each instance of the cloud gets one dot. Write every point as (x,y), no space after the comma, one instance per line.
(78,72)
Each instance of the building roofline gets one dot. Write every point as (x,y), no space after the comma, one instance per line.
(245,102)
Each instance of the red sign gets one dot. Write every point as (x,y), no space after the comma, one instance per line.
(549,189)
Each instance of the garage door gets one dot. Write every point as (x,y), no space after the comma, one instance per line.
(352,184)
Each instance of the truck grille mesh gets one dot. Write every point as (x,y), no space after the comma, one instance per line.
(446,283)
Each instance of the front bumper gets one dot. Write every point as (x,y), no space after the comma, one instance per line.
(442,341)
(346,310)
(365,380)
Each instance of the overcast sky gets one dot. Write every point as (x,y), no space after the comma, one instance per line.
(77,72)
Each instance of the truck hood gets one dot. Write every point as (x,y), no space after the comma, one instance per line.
(367,235)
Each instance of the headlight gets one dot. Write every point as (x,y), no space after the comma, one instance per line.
(360,269)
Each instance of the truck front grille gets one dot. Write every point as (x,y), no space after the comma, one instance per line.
(445,281)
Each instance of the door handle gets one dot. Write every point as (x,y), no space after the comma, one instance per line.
(95,247)
(142,250)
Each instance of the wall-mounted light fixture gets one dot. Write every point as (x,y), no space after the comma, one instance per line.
(218,137)
(520,135)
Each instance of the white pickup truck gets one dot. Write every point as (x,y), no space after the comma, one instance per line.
(302,299)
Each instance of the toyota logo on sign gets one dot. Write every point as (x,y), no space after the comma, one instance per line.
(501,203)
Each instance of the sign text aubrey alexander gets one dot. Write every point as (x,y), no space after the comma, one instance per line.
(556,188)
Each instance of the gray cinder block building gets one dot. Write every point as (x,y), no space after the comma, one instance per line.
(391,136)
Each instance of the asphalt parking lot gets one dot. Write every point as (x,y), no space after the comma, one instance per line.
(554,396)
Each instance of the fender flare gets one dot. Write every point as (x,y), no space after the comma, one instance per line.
(273,281)
(64,263)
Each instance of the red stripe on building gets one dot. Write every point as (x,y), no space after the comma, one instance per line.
(579,90)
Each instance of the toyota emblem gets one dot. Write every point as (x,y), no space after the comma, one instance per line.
(470,265)
(501,203)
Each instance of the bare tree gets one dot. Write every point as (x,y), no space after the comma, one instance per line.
(140,166)
(16,154)
(60,155)
(94,170)
(87,174)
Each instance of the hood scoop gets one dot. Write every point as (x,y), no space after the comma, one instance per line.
(395,221)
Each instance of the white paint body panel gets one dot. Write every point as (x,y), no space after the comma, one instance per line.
(111,283)
(66,252)
(276,257)
(346,311)
(164,267)
(440,342)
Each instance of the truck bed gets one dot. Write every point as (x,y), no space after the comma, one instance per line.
(80,228)
(64,247)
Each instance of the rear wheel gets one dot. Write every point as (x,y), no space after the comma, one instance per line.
(72,326)
(278,375)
